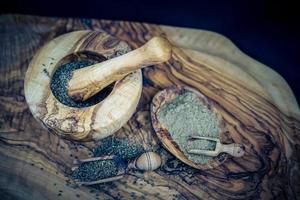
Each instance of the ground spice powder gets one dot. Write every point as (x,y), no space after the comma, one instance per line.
(186,115)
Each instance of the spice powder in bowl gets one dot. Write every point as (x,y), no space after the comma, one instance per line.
(186,115)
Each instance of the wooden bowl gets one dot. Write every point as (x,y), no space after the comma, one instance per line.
(163,134)
(88,123)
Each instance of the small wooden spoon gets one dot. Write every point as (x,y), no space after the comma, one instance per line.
(148,161)
(233,149)
(120,164)
(89,80)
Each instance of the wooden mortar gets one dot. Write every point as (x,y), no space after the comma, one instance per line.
(88,123)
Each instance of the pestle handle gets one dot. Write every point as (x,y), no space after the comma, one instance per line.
(88,81)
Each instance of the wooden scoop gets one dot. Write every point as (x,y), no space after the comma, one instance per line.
(121,169)
(233,149)
(89,80)
(148,161)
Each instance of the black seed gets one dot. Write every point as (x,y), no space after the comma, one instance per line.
(59,85)
(96,170)
(122,148)
(46,72)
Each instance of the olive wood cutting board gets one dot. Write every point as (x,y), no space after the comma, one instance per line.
(258,106)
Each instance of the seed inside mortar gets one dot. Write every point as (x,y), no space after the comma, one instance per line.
(186,115)
(60,80)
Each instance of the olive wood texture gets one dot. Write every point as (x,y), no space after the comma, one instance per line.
(257,105)
(88,81)
(82,124)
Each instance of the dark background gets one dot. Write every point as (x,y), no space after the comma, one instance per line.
(265,30)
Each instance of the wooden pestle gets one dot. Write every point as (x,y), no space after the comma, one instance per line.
(88,81)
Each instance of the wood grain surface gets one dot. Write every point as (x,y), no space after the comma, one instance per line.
(257,105)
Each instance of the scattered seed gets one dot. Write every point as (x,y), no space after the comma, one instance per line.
(46,72)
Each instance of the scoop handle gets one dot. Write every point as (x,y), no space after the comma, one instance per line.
(232,149)
(88,81)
